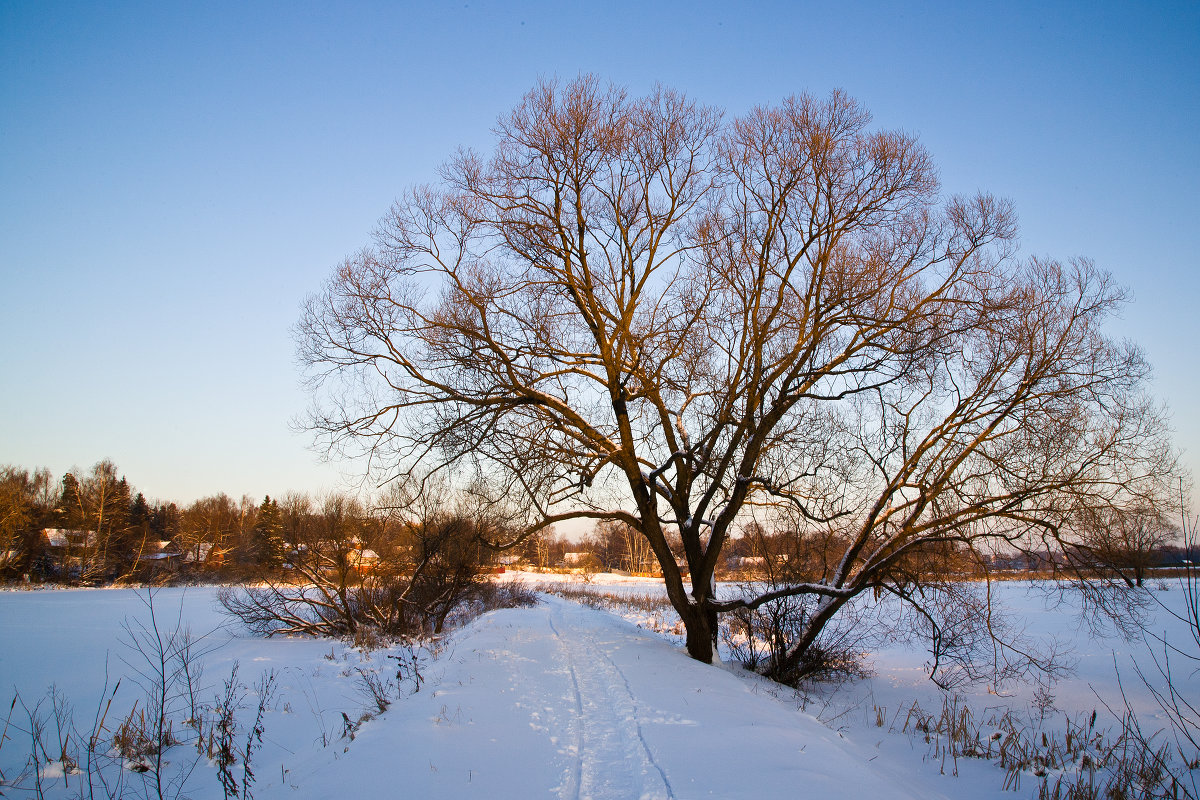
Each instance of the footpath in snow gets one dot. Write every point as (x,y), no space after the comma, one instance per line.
(564,701)
(554,701)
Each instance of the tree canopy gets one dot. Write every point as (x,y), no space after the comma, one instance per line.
(643,310)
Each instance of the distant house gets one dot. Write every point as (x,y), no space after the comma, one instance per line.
(198,553)
(757,564)
(580,559)
(61,539)
(160,556)
(68,549)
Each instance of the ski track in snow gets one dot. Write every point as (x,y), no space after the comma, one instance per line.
(613,759)
(563,701)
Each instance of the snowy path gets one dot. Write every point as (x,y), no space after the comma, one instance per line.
(612,758)
(561,701)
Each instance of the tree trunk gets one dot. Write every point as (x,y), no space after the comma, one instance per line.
(700,625)
(700,620)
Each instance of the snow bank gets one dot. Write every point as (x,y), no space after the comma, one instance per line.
(554,701)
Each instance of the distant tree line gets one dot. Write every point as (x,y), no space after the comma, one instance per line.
(1123,548)
(91,527)
(88,527)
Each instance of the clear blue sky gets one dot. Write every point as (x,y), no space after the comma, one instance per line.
(175,178)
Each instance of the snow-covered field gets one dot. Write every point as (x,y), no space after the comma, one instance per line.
(557,701)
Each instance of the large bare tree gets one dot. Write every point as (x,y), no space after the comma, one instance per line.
(636,309)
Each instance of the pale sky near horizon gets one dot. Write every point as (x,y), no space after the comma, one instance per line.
(176,178)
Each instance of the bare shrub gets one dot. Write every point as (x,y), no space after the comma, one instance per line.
(760,639)
(138,739)
(376,689)
(220,742)
(493,595)
(426,564)
(265,691)
(222,734)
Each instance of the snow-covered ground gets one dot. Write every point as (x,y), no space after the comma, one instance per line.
(558,701)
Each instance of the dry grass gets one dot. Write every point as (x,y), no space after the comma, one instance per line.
(1076,762)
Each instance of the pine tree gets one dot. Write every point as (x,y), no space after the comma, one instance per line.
(139,512)
(268,535)
(164,521)
(70,510)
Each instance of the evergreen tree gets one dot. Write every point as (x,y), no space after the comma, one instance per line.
(164,521)
(69,511)
(139,512)
(268,535)
(123,543)
(138,538)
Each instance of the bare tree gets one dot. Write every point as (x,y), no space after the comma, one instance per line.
(318,592)
(1126,541)
(207,529)
(628,547)
(96,504)
(544,548)
(26,500)
(637,310)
